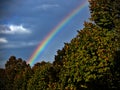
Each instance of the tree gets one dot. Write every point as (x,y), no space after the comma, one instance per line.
(89,60)
(44,77)
(17,73)
(21,79)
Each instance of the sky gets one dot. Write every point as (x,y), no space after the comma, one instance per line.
(24,24)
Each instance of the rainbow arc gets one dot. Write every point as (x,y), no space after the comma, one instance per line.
(42,45)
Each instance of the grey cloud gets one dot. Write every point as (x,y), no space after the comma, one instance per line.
(13,29)
(3,40)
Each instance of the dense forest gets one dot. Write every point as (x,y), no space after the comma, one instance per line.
(90,60)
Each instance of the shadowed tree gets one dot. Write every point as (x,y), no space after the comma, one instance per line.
(2,79)
(17,73)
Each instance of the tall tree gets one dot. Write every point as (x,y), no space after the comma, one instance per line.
(90,59)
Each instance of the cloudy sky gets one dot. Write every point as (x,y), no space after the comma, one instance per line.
(25,23)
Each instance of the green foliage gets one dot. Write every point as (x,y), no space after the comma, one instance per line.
(21,79)
(89,58)
(43,78)
(105,13)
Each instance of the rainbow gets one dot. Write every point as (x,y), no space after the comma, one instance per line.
(42,45)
